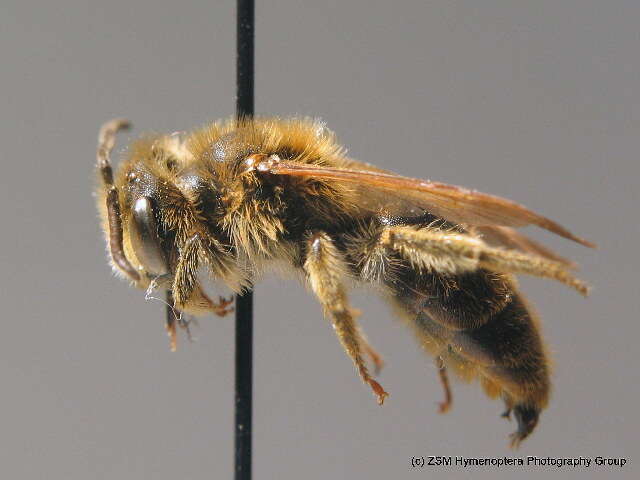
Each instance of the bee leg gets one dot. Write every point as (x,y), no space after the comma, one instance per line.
(453,253)
(172,316)
(185,321)
(185,279)
(444,407)
(220,307)
(106,142)
(186,289)
(175,318)
(325,268)
(198,301)
(171,321)
(374,356)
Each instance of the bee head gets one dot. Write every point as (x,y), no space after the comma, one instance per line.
(141,220)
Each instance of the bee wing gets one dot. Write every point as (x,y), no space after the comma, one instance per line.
(450,202)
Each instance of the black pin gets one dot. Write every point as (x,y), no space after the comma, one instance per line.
(244,302)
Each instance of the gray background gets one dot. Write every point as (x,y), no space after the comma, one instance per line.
(536,101)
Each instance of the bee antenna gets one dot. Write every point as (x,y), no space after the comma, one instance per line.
(106,142)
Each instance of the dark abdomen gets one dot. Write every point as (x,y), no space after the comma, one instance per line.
(481,327)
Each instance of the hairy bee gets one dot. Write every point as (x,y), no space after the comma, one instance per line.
(237,196)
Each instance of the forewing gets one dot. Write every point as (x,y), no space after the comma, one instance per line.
(456,204)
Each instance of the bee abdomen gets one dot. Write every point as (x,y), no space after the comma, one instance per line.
(481,327)
(509,353)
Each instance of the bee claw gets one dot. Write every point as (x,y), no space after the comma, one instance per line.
(220,307)
(224,302)
(378,391)
(444,407)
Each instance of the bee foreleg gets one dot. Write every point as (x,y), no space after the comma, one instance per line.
(186,275)
(170,322)
(186,289)
(325,269)
(454,253)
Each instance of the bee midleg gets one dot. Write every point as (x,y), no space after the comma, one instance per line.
(457,301)
(187,292)
(106,142)
(444,381)
(325,269)
(455,252)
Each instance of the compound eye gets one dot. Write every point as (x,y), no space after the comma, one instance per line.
(144,236)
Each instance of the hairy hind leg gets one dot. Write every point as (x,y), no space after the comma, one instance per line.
(518,366)
(454,253)
(325,269)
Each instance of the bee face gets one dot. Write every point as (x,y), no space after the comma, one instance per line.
(239,197)
(139,194)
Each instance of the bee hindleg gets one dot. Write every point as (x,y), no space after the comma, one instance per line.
(444,407)
(325,269)
(453,253)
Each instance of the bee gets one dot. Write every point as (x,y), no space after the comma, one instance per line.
(237,197)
